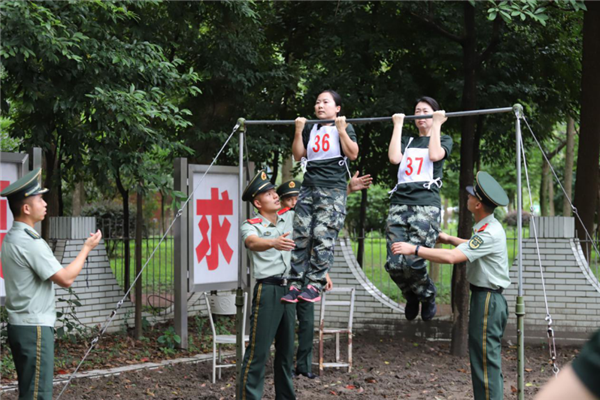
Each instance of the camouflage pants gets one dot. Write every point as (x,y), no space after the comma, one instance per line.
(418,225)
(320,214)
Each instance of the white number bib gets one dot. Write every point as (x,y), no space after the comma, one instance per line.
(416,166)
(324,143)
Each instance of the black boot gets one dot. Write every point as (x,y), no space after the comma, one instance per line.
(411,310)
(428,310)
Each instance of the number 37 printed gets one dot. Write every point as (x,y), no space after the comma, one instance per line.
(409,165)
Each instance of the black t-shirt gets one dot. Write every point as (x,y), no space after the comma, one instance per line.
(326,173)
(414,193)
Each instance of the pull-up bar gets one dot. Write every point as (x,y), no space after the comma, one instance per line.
(375,119)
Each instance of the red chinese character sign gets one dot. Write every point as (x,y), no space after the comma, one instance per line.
(9,173)
(214,227)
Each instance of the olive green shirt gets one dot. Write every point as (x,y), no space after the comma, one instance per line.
(270,262)
(487,254)
(326,173)
(28,263)
(414,193)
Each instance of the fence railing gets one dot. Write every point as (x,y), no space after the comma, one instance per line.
(158,277)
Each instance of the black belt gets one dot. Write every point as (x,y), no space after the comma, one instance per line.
(485,289)
(273,280)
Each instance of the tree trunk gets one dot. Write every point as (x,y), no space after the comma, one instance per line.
(586,184)
(51,198)
(162,213)
(460,285)
(286,169)
(139,222)
(446,214)
(275,167)
(569,157)
(78,199)
(544,188)
(126,250)
(362,216)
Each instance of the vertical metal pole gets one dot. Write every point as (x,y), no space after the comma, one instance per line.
(239,298)
(520,308)
(180,263)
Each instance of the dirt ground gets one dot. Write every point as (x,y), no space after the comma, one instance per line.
(384,368)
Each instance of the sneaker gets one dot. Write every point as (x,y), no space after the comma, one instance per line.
(292,296)
(411,309)
(428,310)
(310,294)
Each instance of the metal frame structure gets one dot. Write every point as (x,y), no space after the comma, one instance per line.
(517,109)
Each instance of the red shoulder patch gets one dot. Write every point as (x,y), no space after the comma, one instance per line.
(283,211)
(254,220)
(482,228)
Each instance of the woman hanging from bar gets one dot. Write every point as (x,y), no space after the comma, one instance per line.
(324,150)
(415,204)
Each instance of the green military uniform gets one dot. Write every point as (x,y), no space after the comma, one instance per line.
(488,275)
(270,319)
(305,311)
(587,365)
(28,263)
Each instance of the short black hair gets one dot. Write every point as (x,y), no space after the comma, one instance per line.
(429,100)
(487,208)
(16,205)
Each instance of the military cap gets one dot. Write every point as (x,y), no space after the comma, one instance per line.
(488,190)
(259,184)
(289,188)
(26,186)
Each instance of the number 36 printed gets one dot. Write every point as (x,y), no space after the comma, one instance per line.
(321,144)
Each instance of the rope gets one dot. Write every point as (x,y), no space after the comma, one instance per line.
(550,330)
(113,314)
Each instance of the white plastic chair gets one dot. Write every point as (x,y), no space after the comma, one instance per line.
(336,331)
(224,339)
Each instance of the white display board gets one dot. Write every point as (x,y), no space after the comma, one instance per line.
(12,167)
(214,228)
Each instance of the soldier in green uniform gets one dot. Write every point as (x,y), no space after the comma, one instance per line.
(578,380)
(268,239)
(305,311)
(487,273)
(30,269)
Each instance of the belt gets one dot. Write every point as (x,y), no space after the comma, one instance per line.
(273,280)
(485,289)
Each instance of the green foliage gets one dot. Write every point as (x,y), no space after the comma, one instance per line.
(169,339)
(377,210)
(70,323)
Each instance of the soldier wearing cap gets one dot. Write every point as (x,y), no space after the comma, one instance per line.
(267,237)
(487,272)
(305,311)
(30,269)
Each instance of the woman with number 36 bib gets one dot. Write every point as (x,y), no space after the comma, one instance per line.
(324,150)
(415,205)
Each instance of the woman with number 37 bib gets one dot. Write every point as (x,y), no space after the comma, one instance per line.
(415,204)
(324,150)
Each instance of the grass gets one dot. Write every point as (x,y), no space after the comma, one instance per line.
(158,274)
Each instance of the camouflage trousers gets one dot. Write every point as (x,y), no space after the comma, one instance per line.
(320,215)
(418,225)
